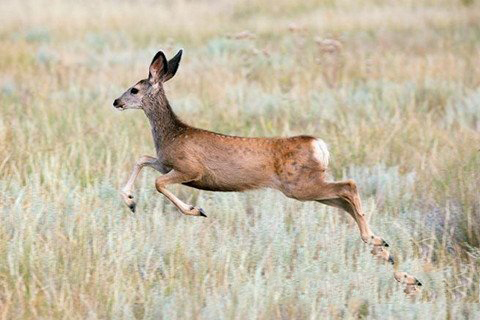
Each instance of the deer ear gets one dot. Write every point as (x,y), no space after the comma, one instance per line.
(173,65)
(158,68)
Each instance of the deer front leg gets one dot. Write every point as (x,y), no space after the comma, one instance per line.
(177,177)
(126,193)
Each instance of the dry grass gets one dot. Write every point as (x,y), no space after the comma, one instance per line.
(398,102)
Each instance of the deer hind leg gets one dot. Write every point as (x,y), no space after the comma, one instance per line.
(174,177)
(145,161)
(344,195)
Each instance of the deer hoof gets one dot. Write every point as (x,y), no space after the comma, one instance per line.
(405,278)
(132,206)
(129,201)
(195,211)
(375,241)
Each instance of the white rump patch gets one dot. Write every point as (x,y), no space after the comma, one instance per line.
(320,151)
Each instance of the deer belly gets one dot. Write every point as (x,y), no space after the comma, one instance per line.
(231,179)
(209,187)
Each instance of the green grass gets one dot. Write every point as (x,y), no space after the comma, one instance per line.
(402,119)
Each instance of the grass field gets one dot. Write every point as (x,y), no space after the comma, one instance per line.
(396,96)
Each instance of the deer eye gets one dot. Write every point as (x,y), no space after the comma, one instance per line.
(134,91)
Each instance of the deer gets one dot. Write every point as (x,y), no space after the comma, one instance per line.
(206,160)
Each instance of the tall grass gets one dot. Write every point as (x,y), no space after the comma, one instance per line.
(401,117)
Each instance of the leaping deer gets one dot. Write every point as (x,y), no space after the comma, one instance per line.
(211,161)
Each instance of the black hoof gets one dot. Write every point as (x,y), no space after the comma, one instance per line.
(391,259)
(385,244)
(132,207)
(418,283)
(202,213)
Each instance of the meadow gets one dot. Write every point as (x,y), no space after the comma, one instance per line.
(393,87)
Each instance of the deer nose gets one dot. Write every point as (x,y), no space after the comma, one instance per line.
(116,103)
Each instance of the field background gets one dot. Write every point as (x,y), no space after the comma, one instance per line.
(397,100)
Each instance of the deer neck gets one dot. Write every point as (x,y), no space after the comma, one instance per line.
(164,122)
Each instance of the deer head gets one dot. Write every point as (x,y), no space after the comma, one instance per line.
(160,71)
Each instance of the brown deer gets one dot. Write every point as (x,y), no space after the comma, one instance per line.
(211,161)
